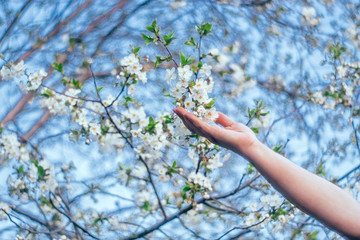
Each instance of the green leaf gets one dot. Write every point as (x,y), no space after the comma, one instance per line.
(41,171)
(73,41)
(204,29)
(192,83)
(337,50)
(250,169)
(151,126)
(186,188)
(95,221)
(168,95)
(58,67)
(168,38)
(146,206)
(21,169)
(76,83)
(159,60)
(191,42)
(210,104)
(168,119)
(312,236)
(320,169)
(104,129)
(65,81)
(47,93)
(190,60)
(44,200)
(277,149)
(147,39)
(85,64)
(153,28)
(182,58)
(99,89)
(255,130)
(35,162)
(135,50)
(174,164)
(129,99)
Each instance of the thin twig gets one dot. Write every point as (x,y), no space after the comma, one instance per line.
(130,144)
(17,16)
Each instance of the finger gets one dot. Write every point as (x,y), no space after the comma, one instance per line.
(194,124)
(224,120)
(201,127)
(190,126)
(180,111)
(204,130)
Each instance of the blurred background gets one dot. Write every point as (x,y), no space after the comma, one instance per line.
(300,58)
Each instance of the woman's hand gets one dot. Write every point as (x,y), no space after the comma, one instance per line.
(234,136)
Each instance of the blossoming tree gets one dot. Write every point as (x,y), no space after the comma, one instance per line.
(90,148)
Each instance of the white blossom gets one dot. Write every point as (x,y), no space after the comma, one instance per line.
(170,75)
(185,72)
(205,70)
(35,79)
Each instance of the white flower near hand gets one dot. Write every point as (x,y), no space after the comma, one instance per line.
(170,75)
(210,115)
(185,72)
(200,95)
(189,104)
(178,91)
(205,70)
(200,85)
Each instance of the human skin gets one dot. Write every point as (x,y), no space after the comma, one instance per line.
(314,195)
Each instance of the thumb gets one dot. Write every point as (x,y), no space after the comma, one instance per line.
(224,120)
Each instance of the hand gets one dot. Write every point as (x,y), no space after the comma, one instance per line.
(234,136)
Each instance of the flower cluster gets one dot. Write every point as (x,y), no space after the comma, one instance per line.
(341,91)
(201,180)
(16,72)
(35,79)
(12,148)
(12,70)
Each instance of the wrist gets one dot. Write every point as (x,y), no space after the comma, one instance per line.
(251,150)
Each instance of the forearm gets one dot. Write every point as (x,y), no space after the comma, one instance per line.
(311,193)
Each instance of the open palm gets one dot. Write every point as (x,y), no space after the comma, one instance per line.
(234,136)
